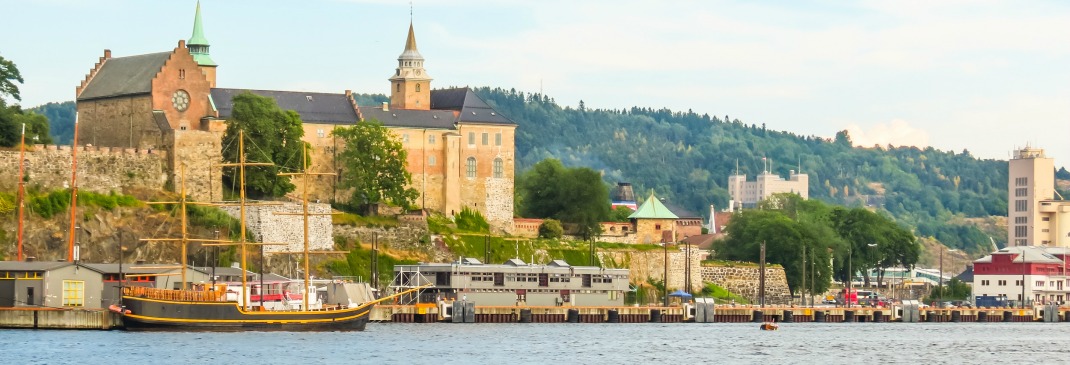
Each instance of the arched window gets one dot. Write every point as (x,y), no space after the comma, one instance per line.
(470,168)
(498,170)
(417,87)
(399,87)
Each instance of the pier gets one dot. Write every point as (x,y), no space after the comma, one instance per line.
(721,314)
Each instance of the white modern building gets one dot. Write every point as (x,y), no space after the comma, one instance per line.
(747,194)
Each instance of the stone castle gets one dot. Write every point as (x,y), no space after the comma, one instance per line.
(460,150)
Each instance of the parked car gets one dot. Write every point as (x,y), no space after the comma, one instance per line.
(829,301)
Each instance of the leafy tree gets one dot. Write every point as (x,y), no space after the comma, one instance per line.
(953,289)
(551,228)
(620,214)
(572,195)
(272,135)
(374,163)
(60,120)
(9,75)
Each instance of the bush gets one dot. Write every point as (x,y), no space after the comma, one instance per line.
(471,221)
(551,228)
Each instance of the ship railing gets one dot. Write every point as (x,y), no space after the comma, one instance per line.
(175,295)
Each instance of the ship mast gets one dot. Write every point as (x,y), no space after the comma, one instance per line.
(20,193)
(304,174)
(74,190)
(241,209)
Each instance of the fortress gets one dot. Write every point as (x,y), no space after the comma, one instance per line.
(167,104)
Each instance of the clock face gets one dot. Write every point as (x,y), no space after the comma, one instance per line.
(180,100)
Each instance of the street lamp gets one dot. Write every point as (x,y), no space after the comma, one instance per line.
(850,273)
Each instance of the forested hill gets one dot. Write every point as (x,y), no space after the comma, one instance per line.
(688,157)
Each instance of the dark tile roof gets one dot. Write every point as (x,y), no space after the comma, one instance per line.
(33,265)
(125,76)
(679,211)
(316,108)
(473,109)
(437,119)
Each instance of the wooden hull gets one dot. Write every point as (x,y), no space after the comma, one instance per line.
(155,314)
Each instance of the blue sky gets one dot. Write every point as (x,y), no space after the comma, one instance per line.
(987,76)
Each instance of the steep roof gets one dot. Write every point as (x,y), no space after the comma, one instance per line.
(125,76)
(652,208)
(316,108)
(473,109)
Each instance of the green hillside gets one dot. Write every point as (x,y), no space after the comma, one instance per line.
(687,157)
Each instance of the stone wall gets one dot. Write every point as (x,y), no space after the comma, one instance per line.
(268,225)
(651,264)
(200,153)
(745,282)
(100,170)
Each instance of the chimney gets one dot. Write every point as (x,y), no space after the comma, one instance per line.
(181,43)
(107,53)
(386,106)
(349,93)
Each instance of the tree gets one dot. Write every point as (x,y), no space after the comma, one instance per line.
(374,162)
(272,135)
(9,74)
(572,195)
(551,228)
(620,214)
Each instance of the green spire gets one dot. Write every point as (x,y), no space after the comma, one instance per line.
(198,44)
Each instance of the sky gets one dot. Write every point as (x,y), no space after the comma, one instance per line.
(984,76)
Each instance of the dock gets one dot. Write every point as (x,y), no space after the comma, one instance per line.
(720,314)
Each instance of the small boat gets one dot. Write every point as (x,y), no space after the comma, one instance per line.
(769,327)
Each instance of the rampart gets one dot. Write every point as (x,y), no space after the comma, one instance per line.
(100,169)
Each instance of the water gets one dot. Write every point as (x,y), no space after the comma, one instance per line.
(681,343)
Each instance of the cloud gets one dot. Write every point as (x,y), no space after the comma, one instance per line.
(897,132)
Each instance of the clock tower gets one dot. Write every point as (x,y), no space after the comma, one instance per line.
(410,87)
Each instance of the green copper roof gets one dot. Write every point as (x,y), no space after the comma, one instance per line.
(198,44)
(652,208)
(198,30)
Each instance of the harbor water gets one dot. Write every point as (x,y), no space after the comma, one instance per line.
(559,343)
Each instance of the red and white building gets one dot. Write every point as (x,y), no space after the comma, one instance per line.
(1038,272)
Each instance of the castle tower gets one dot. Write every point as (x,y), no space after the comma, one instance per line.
(198,48)
(410,87)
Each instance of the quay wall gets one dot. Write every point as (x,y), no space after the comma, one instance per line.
(47,318)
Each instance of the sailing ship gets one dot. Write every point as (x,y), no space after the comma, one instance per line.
(242,306)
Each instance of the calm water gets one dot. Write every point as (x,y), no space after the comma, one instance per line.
(686,343)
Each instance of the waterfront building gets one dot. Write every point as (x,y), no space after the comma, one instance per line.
(515,283)
(158,276)
(747,194)
(1034,216)
(460,150)
(50,284)
(1035,273)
